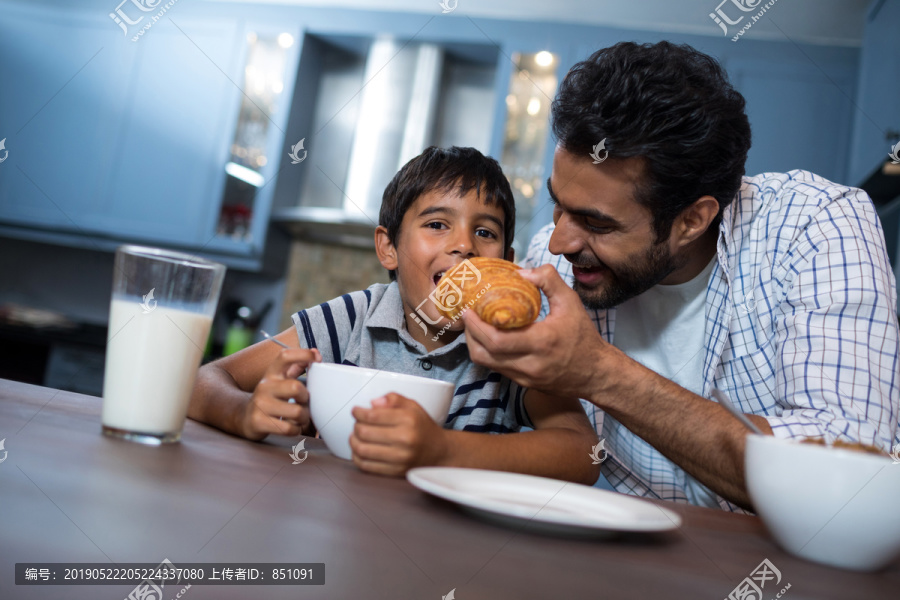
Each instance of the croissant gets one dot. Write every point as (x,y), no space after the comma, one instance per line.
(493,289)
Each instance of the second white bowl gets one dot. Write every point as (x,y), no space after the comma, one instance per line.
(828,505)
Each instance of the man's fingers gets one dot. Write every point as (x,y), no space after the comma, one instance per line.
(549,281)
(483,334)
(500,345)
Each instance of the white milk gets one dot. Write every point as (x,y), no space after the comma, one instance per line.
(151,363)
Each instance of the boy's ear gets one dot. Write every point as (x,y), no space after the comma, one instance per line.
(387,254)
(511,255)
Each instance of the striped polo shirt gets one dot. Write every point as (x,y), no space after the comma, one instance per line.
(368,329)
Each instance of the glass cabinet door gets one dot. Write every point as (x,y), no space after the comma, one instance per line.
(262,90)
(532,86)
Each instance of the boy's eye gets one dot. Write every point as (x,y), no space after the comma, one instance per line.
(486,233)
(435,225)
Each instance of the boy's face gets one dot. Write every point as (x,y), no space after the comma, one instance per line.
(439,231)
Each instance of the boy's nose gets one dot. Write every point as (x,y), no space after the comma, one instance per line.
(464,244)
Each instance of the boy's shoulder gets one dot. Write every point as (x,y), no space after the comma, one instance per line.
(350,309)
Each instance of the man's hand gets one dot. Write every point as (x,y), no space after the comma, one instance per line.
(268,410)
(562,355)
(395,435)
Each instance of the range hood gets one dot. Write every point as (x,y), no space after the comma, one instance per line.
(369,105)
(330,225)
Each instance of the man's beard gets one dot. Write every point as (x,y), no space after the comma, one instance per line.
(625,282)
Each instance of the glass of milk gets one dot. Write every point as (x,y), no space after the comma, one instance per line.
(159,319)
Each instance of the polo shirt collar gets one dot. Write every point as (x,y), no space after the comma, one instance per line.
(388,314)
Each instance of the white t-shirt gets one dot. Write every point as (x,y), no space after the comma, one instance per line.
(664,329)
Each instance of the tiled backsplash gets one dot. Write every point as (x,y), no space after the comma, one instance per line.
(318,272)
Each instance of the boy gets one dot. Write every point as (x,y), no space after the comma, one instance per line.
(442,207)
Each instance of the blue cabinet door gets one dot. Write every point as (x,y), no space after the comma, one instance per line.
(183,99)
(800,118)
(63,84)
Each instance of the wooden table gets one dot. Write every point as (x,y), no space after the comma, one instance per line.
(70,494)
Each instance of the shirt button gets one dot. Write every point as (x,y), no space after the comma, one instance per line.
(426,364)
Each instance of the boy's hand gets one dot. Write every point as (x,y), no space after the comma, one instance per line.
(268,410)
(395,435)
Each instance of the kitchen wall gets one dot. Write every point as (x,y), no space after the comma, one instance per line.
(318,272)
(77,282)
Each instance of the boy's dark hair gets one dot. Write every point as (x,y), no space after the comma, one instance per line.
(444,169)
(669,104)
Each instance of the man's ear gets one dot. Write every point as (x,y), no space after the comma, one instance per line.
(387,253)
(511,255)
(694,220)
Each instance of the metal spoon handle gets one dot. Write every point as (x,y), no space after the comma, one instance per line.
(720,397)
(271,339)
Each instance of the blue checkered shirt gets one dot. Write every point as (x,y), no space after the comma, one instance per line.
(801,325)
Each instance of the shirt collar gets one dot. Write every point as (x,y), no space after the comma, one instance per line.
(388,314)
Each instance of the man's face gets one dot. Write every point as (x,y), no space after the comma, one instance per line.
(439,231)
(603,231)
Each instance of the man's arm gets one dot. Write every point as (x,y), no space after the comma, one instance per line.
(396,435)
(565,353)
(697,434)
(836,366)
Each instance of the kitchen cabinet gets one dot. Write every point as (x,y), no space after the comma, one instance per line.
(64,90)
(112,140)
(877,118)
(167,175)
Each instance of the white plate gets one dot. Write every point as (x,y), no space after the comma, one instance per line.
(544,504)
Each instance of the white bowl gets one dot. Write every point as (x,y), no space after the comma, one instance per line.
(335,389)
(828,505)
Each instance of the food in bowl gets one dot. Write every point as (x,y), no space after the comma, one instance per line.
(841,444)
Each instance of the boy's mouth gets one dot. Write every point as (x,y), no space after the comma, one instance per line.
(438,274)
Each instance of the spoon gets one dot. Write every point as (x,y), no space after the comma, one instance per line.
(271,339)
(720,397)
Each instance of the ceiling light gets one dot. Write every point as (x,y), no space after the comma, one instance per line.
(285,40)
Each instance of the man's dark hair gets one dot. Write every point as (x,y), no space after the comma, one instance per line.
(669,104)
(444,169)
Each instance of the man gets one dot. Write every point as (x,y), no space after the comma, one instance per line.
(774,289)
